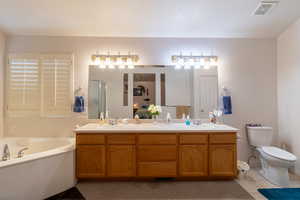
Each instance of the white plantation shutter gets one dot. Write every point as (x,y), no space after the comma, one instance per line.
(57,84)
(23,84)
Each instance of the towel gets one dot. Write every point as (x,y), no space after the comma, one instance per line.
(79,104)
(227,105)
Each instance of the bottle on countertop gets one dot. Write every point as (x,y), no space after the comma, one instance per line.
(188,121)
(169,118)
(212,118)
(137,119)
(101,118)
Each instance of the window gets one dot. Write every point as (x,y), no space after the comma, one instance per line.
(56,84)
(23,83)
(40,84)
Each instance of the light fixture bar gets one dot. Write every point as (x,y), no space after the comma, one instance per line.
(135,58)
(192,61)
(110,61)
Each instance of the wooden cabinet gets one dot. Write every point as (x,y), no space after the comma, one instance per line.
(222,160)
(157,169)
(121,161)
(152,153)
(193,160)
(155,155)
(90,161)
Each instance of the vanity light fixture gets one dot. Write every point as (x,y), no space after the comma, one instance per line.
(111,61)
(197,62)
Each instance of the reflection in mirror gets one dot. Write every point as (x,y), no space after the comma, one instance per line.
(143,94)
(125,89)
(163,89)
(97,98)
(130,91)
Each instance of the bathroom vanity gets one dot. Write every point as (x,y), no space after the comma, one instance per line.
(156,151)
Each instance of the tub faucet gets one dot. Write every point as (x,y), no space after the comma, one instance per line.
(21,152)
(6,153)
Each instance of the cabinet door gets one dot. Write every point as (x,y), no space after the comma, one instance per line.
(121,161)
(90,161)
(193,160)
(222,160)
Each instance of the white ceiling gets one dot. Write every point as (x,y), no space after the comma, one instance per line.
(145,18)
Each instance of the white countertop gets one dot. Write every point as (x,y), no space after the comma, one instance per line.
(153,128)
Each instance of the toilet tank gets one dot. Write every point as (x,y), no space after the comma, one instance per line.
(260,136)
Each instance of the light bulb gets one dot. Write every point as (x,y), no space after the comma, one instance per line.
(197,65)
(130,66)
(107,61)
(180,61)
(202,61)
(119,61)
(97,61)
(177,66)
(187,66)
(121,66)
(207,66)
(213,62)
(111,66)
(129,61)
(191,61)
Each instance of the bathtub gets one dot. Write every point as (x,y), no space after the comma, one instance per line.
(47,168)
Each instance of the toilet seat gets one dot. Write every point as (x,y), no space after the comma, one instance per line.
(279,153)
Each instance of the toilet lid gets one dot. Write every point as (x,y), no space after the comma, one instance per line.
(279,153)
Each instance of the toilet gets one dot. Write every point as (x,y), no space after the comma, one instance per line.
(275,162)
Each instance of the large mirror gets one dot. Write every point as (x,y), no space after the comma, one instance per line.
(126,93)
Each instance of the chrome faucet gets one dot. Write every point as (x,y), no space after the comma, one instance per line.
(21,152)
(6,153)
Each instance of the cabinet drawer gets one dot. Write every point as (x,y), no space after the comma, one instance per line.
(222,138)
(90,139)
(193,139)
(157,169)
(121,139)
(149,153)
(157,139)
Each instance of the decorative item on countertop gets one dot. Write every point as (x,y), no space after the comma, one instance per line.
(154,111)
(218,114)
(212,118)
(226,100)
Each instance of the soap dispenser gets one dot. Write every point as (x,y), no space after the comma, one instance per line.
(187,121)
(101,122)
(169,118)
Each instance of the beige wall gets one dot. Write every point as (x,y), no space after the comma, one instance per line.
(2,52)
(247,68)
(288,45)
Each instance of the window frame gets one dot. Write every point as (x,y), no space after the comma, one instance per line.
(20,113)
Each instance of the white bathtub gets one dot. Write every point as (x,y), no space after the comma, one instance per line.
(47,168)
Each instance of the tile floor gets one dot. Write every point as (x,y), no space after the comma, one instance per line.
(253,181)
(249,182)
